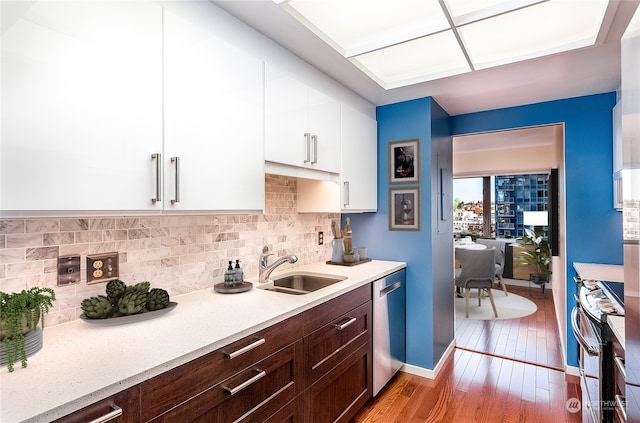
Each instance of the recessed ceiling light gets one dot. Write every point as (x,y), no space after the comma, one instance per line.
(536,31)
(424,59)
(359,26)
(402,42)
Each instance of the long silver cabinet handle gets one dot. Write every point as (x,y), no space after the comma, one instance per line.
(390,288)
(347,323)
(158,158)
(243,350)
(176,161)
(621,403)
(346,193)
(114,413)
(307,139)
(314,139)
(258,376)
(620,365)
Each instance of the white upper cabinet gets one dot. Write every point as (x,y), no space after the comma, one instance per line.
(81,105)
(630,76)
(359,176)
(302,125)
(213,114)
(111,106)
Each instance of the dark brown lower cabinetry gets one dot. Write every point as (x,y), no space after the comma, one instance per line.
(619,381)
(290,413)
(339,395)
(123,406)
(252,395)
(315,367)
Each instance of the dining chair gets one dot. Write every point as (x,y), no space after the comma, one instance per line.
(477,271)
(500,258)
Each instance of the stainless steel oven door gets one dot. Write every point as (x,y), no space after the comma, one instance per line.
(589,362)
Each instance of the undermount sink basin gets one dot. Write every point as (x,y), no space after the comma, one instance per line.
(302,283)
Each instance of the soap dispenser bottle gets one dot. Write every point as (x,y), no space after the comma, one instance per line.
(229,275)
(239,277)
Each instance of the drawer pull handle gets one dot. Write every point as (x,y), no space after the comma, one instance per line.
(621,403)
(347,323)
(243,350)
(115,412)
(258,376)
(620,365)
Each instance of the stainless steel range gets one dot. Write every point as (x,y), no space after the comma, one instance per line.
(596,300)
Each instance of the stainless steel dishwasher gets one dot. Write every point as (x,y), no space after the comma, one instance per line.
(388,328)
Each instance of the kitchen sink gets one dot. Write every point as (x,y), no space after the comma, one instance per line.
(301,283)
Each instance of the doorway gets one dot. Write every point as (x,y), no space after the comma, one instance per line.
(479,157)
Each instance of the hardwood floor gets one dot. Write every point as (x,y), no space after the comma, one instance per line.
(501,372)
(532,339)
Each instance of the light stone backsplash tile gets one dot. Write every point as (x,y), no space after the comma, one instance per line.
(178,253)
(73,225)
(24,240)
(38,226)
(12,226)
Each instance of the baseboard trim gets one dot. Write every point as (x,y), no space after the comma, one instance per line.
(428,373)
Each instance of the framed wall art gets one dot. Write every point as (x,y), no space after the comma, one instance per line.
(404,209)
(404,166)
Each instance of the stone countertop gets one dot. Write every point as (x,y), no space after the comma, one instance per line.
(81,363)
(616,323)
(600,272)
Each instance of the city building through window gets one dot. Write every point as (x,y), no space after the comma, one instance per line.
(506,212)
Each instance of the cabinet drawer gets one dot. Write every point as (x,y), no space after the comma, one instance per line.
(619,372)
(326,312)
(333,342)
(251,395)
(128,401)
(290,413)
(339,395)
(175,386)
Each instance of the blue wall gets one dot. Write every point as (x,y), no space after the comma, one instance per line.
(593,231)
(593,227)
(429,319)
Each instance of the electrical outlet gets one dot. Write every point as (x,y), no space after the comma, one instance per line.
(320,238)
(68,270)
(102,267)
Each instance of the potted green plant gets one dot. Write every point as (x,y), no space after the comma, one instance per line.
(537,254)
(20,313)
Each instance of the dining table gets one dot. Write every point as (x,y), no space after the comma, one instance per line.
(470,245)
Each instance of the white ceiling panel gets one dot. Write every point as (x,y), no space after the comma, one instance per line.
(427,58)
(357,26)
(387,60)
(540,30)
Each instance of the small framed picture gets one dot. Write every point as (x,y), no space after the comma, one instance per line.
(404,162)
(404,209)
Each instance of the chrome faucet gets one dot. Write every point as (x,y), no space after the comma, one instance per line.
(264,269)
